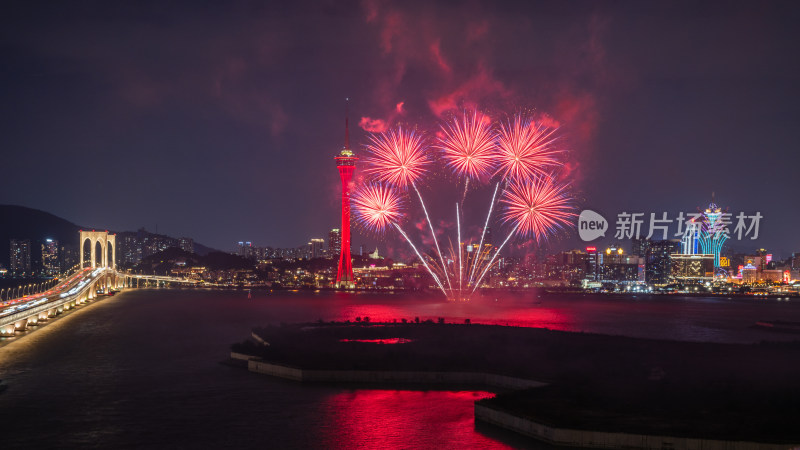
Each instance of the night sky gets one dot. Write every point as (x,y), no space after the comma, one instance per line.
(220,120)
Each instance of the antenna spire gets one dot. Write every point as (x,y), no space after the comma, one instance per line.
(347,123)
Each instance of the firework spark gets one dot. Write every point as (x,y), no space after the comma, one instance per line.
(468,145)
(537,207)
(414,247)
(526,149)
(523,153)
(375,206)
(433,234)
(483,233)
(494,257)
(397,156)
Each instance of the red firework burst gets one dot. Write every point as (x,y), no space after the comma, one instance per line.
(376,206)
(398,157)
(537,207)
(468,144)
(526,149)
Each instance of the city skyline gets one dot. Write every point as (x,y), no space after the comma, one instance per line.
(647,112)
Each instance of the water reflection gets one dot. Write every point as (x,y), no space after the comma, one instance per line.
(711,319)
(379,341)
(404,419)
(141,369)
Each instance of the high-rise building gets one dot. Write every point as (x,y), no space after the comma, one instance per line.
(640,246)
(20,257)
(573,265)
(658,261)
(316,248)
(762,259)
(50,264)
(617,266)
(749,273)
(713,233)
(334,243)
(591,263)
(154,243)
(130,249)
(186,244)
(345,162)
(246,250)
(68,257)
(697,267)
(690,242)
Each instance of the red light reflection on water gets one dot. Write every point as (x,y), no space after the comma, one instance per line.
(375,312)
(379,341)
(484,311)
(404,419)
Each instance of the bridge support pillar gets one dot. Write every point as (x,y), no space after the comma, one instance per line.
(7,330)
(21,325)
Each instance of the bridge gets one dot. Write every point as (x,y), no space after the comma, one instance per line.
(134,280)
(97,275)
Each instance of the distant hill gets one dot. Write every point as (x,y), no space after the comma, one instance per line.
(19,222)
(215,260)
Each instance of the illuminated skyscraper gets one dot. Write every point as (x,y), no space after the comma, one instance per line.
(591,263)
(246,249)
(658,268)
(50,264)
(345,162)
(714,232)
(690,242)
(316,247)
(334,243)
(20,257)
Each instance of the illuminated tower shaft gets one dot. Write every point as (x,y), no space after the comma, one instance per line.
(345,162)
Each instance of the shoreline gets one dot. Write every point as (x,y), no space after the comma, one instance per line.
(491,381)
(585,438)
